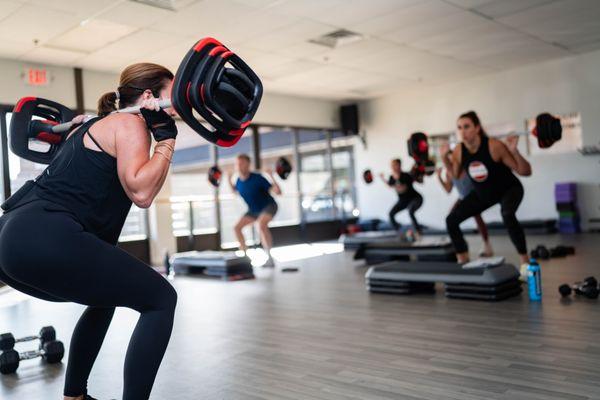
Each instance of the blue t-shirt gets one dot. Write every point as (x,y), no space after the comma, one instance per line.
(255,192)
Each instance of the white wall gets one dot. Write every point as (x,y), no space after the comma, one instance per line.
(560,86)
(61,87)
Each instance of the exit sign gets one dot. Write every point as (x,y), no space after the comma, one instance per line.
(37,76)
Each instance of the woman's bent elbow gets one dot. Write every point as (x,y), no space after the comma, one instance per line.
(142,200)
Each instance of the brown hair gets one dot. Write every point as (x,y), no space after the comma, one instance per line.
(134,80)
(397,161)
(472,115)
(244,156)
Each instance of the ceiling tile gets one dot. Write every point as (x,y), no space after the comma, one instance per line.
(467,4)
(349,53)
(205,18)
(91,36)
(7,7)
(301,50)
(300,31)
(341,13)
(287,69)
(31,23)
(433,27)
(134,14)
(10,49)
(45,55)
(80,8)
(136,47)
(560,22)
(496,9)
(412,15)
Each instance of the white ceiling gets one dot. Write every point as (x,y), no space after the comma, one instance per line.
(407,42)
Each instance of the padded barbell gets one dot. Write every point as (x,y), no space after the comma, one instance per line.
(283,168)
(211,81)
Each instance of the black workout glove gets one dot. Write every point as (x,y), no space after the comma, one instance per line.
(160,124)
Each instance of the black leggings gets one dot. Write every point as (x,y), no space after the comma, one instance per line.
(413,204)
(472,205)
(47,254)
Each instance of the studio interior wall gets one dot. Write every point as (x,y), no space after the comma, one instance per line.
(560,86)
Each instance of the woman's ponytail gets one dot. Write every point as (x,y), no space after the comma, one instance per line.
(107,104)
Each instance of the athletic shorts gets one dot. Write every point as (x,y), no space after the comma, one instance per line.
(270,209)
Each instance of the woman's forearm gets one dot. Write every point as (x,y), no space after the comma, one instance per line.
(147,182)
(523,166)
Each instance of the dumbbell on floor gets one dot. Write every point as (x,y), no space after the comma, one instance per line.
(8,341)
(52,352)
(588,288)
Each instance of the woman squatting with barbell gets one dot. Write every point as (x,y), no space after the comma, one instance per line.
(489,163)
(73,213)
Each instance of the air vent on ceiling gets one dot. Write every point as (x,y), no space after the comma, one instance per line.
(337,38)
(164,4)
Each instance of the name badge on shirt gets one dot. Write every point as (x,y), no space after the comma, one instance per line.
(478,171)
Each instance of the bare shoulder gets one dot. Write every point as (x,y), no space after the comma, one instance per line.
(497,149)
(127,121)
(128,127)
(496,145)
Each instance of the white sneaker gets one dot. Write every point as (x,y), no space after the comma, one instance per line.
(523,271)
(270,263)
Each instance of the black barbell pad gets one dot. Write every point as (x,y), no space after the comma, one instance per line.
(212,78)
(197,96)
(239,80)
(180,94)
(21,128)
(232,99)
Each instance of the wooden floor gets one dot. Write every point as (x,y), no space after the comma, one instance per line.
(318,334)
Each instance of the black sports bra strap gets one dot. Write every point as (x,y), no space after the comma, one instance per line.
(94,140)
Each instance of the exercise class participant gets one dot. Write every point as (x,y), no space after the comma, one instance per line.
(255,190)
(408,197)
(464,186)
(489,164)
(58,241)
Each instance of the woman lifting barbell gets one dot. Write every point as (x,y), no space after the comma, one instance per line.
(256,190)
(408,197)
(464,186)
(489,163)
(71,218)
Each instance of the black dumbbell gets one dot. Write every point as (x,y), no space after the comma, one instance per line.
(588,288)
(52,352)
(540,253)
(47,334)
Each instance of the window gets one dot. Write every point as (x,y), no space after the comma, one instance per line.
(343,178)
(193,202)
(315,181)
(276,143)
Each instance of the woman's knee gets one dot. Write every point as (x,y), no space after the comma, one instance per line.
(509,217)
(452,221)
(167,297)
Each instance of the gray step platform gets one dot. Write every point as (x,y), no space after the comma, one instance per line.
(490,283)
(426,249)
(357,239)
(223,264)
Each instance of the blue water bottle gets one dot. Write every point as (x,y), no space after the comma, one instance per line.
(534,280)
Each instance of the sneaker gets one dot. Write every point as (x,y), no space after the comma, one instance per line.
(486,253)
(523,271)
(270,263)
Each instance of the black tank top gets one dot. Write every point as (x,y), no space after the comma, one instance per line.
(85,182)
(490,179)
